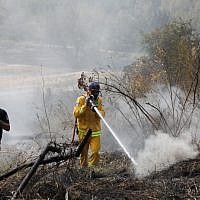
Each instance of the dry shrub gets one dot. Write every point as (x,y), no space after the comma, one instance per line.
(173,58)
(141,75)
(175,48)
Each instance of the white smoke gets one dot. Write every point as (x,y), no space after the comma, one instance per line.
(157,150)
(162,150)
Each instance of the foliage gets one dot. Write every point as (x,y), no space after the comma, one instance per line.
(141,75)
(175,48)
(173,58)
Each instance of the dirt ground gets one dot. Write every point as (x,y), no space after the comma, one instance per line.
(112,179)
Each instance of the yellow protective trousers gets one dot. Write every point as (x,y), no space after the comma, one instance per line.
(94,144)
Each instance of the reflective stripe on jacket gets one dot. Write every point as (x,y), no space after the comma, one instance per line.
(86,118)
(94,133)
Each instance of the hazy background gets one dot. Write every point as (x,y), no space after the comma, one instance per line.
(66,36)
(83,34)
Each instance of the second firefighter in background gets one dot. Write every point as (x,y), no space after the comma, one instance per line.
(87,118)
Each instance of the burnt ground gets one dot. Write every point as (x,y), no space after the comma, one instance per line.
(112,179)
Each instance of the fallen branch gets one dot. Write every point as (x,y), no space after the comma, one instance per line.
(51,147)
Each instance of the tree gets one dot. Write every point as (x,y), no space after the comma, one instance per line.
(175,48)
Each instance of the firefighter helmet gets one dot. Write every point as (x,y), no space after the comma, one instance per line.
(94,86)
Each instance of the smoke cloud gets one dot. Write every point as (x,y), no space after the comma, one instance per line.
(162,150)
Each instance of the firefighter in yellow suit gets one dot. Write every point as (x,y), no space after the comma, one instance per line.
(87,118)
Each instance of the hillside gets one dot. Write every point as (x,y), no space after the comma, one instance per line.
(112,179)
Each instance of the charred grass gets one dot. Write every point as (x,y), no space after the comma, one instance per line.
(113,179)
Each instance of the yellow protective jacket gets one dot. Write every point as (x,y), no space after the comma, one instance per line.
(86,118)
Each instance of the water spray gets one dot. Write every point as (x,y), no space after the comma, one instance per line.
(93,107)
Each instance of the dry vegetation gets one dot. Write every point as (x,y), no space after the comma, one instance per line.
(113,179)
(173,59)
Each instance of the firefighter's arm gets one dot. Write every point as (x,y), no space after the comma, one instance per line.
(101,108)
(80,107)
(4,125)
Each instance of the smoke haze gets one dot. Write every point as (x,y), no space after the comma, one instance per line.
(85,34)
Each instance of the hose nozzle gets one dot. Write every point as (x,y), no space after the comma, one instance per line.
(92,104)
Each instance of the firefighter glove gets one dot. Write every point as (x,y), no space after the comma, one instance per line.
(87,101)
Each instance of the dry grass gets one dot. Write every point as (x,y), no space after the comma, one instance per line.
(112,179)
